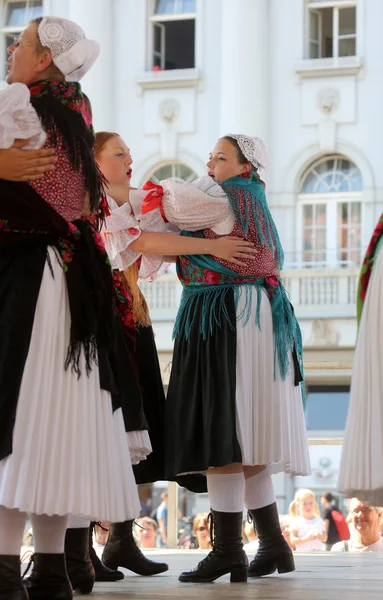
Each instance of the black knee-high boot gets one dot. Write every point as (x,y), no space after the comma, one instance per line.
(227,555)
(273,552)
(11,587)
(79,565)
(121,550)
(103,573)
(49,579)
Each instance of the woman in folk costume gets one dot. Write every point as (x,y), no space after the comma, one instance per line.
(236,376)
(61,344)
(361,473)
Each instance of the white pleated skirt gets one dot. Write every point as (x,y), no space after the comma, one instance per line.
(361,469)
(70,450)
(270,420)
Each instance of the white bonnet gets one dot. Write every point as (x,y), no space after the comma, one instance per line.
(71,52)
(253,148)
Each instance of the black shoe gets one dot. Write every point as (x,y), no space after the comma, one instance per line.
(103,573)
(78,562)
(121,550)
(274,553)
(49,579)
(227,555)
(11,586)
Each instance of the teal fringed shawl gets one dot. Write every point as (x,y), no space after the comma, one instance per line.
(247,198)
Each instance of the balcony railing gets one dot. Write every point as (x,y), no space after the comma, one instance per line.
(321,292)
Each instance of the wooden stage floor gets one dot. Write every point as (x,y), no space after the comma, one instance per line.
(323,576)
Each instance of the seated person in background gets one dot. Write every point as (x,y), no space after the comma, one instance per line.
(252,538)
(146,532)
(365,530)
(201,531)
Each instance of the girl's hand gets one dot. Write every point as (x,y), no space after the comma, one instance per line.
(17,164)
(232,248)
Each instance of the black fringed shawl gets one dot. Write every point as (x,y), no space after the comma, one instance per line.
(28,225)
(53,102)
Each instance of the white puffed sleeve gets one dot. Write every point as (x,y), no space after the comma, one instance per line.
(121,228)
(199,205)
(18,118)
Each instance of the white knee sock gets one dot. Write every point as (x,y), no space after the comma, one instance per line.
(49,533)
(77,522)
(12,525)
(259,490)
(226,492)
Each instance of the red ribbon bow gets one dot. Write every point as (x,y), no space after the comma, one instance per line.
(153,199)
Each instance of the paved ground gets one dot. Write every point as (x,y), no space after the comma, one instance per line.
(327,576)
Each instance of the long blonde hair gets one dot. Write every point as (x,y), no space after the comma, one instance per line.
(129,275)
(300,495)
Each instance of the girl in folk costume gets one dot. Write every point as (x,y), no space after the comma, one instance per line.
(60,344)
(114,160)
(237,367)
(125,243)
(361,473)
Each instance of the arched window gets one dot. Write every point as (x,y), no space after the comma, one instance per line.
(177,171)
(331,213)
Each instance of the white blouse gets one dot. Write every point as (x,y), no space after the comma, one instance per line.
(18,118)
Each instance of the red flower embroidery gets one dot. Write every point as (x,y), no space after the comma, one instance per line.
(212,278)
(274,281)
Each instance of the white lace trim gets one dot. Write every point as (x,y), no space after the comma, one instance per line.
(140,445)
(18,118)
(120,230)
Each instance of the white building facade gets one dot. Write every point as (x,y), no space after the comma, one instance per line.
(306,76)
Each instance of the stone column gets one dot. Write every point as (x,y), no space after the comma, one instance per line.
(96,18)
(245,67)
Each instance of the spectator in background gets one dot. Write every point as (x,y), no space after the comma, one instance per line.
(162,519)
(201,531)
(308,532)
(366,525)
(329,505)
(285,522)
(146,532)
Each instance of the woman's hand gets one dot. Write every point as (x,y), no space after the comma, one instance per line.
(25,165)
(232,248)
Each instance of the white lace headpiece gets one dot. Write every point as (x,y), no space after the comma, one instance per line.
(252,148)
(71,52)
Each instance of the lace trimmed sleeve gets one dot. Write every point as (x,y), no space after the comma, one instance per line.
(18,118)
(120,230)
(191,207)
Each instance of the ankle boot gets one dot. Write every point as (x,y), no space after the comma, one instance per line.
(227,555)
(78,562)
(11,587)
(121,550)
(102,572)
(49,579)
(273,551)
